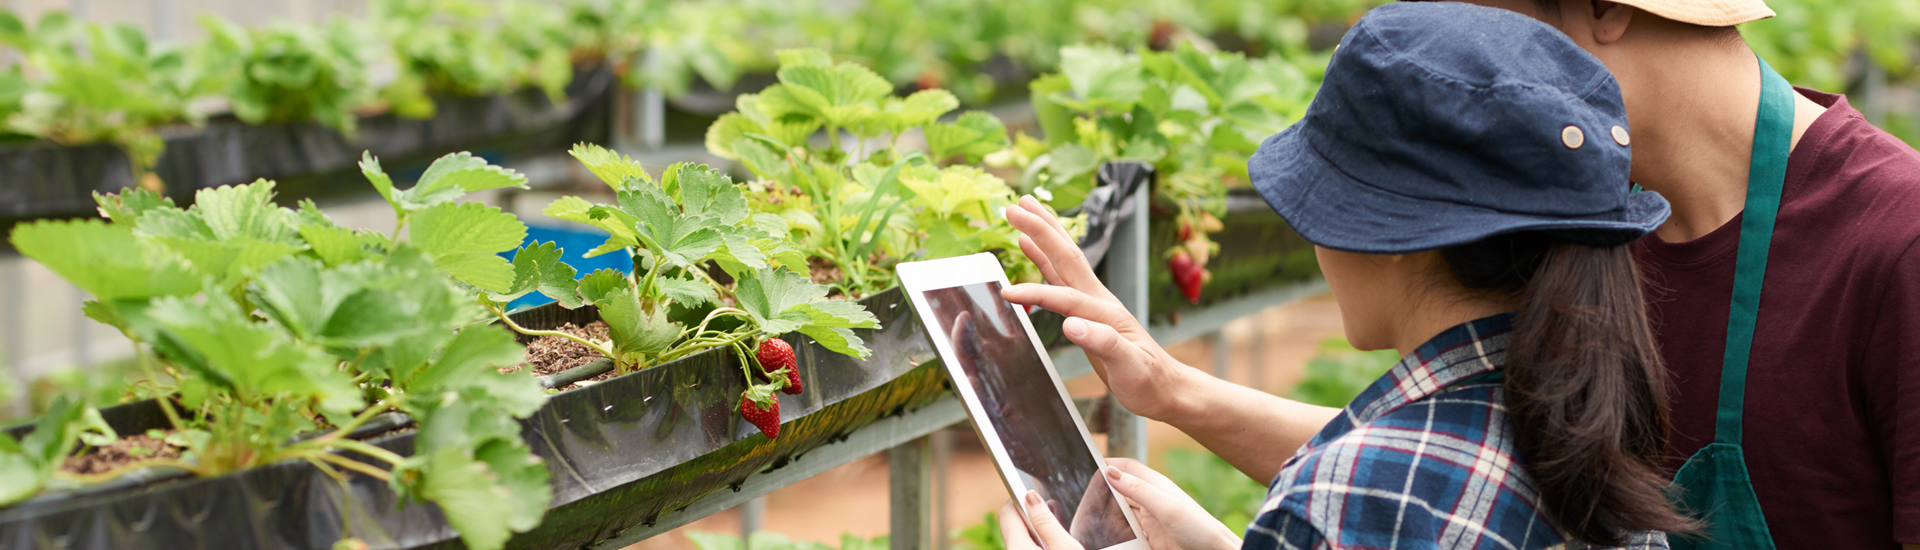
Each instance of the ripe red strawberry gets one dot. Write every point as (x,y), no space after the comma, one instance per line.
(761,409)
(776,355)
(1191,288)
(1186,275)
(1181,264)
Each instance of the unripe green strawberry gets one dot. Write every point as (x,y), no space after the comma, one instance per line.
(761,409)
(776,355)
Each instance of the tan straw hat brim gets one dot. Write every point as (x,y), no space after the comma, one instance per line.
(1709,13)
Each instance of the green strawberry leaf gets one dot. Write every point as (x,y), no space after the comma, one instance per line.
(963,190)
(976,134)
(677,239)
(686,292)
(525,477)
(107,261)
(126,206)
(229,232)
(470,366)
(258,361)
(634,330)
(465,240)
(447,179)
(20,476)
(781,301)
(595,286)
(245,211)
(920,109)
(537,267)
(838,340)
(470,493)
(947,238)
(841,96)
(707,192)
(617,170)
(743,250)
(332,243)
(355,306)
(620,229)
(1101,78)
(456,174)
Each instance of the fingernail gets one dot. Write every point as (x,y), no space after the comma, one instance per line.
(1113,473)
(1074,327)
(1033,499)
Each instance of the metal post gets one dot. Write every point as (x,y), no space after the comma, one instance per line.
(11,307)
(163,20)
(1126,276)
(942,495)
(753,514)
(910,474)
(653,113)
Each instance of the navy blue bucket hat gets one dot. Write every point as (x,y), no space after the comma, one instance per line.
(1442,123)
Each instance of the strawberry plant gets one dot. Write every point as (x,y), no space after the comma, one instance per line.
(469,48)
(857,211)
(280,332)
(680,232)
(1197,117)
(290,74)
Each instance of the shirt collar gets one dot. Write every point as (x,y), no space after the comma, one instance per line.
(1458,353)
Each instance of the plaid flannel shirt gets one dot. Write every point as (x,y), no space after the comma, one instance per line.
(1423,458)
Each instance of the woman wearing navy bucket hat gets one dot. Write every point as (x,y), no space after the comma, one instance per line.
(1463,176)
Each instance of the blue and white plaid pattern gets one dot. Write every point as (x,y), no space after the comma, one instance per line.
(1414,463)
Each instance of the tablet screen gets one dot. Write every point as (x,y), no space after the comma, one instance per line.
(1027,410)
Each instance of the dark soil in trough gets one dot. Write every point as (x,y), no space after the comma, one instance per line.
(550,354)
(127,450)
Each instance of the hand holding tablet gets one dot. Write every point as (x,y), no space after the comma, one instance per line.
(1018,404)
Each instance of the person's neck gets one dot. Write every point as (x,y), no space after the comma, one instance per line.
(1439,313)
(1693,134)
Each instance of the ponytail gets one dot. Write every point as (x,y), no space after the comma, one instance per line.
(1584,388)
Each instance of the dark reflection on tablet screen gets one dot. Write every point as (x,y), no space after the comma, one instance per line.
(1006,373)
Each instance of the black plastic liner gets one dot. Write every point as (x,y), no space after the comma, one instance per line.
(1258,251)
(42,179)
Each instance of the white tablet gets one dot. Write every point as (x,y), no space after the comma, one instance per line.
(1018,404)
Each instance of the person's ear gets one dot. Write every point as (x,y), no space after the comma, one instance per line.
(1609,20)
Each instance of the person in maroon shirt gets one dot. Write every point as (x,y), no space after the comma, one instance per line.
(1832,415)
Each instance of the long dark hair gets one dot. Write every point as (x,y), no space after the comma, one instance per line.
(1585,389)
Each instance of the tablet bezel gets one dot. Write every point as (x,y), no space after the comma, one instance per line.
(916,278)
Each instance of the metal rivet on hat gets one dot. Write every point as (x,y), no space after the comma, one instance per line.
(1573,137)
(1620,136)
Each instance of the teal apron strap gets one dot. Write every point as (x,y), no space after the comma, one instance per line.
(1767,174)
(1714,484)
